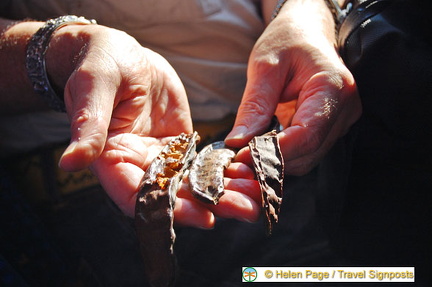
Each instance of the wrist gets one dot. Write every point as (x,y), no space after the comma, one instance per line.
(309,18)
(36,59)
(64,53)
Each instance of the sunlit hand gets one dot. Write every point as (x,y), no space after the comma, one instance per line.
(296,74)
(124,103)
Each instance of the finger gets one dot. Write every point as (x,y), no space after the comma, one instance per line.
(305,163)
(242,206)
(258,104)
(241,199)
(236,205)
(301,141)
(302,147)
(191,213)
(244,156)
(327,107)
(248,187)
(121,182)
(123,193)
(121,166)
(239,170)
(89,100)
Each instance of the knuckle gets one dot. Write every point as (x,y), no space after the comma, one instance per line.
(84,119)
(266,62)
(257,107)
(300,167)
(80,117)
(312,142)
(297,170)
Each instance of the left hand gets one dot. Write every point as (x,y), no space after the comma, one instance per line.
(295,72)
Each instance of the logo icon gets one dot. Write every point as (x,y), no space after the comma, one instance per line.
(249,274)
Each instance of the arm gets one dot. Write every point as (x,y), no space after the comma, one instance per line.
(17,94)
(100,70)
(124,103)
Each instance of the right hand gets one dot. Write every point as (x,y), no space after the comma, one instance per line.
(295,73)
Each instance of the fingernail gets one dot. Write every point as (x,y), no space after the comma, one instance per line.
(206,227)
(238,132)
(70,149)
(247,220)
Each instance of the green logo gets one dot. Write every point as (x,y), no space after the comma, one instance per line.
(249,274)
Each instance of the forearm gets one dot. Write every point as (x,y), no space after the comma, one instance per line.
(16,92)
(304,18)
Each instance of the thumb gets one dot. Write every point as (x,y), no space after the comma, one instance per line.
(256,109)
(89,107)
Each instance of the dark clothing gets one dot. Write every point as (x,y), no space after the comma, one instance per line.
(387,217)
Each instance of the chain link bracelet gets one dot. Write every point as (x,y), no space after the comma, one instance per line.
(35,58)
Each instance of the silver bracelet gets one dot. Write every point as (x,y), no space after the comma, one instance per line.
(35,58)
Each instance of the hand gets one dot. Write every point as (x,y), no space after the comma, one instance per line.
(297,75)
(121,167)
(124,103)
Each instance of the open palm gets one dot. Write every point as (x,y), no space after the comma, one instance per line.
(125,103)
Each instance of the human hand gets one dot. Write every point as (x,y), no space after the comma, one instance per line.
(297,75)
(126,156)
(124,103)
